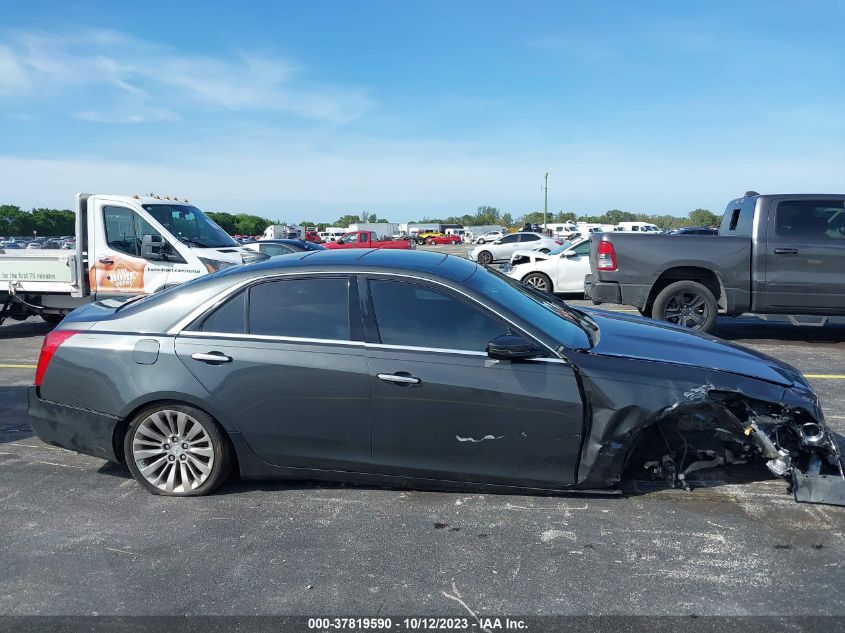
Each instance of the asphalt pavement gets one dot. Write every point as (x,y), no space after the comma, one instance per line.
(80,537)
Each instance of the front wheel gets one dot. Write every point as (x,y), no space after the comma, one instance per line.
(539,281)
(485,257)
(688,304)
(176,450)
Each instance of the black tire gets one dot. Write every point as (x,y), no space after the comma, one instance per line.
(545,251)
(480,241)
(52,319)
(540,281)
(221,451)
(485,257)
(688,304)
(431,242)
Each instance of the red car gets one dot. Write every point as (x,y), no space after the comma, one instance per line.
(313,236)
(443,239)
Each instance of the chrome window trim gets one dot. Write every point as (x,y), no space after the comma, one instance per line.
(270,338)
(219,298)
(412,348)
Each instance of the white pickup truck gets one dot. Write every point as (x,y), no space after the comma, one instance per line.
(125,245)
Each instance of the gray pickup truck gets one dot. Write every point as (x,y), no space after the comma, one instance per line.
(778,256)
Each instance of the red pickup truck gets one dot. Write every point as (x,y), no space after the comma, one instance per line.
(367,239)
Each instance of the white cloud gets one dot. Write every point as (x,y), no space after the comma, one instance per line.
(13,77)
(121,66)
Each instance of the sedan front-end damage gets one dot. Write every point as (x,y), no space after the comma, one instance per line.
(722,405)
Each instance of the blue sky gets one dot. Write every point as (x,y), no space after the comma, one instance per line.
(412,109)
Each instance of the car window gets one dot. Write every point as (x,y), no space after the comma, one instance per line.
(817,219)
(419,316)
(529,237)
(275,249)
(738,220)
(582,249)
(304,308)
(510,239)
(229,318)
(125,230)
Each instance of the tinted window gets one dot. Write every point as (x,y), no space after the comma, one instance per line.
(582,249)
(818,219)
(528,237)
(414,315)
(125,229)
(738,220)
(510,239)
(229,318)
(546,314)
(304,308)
(274,249)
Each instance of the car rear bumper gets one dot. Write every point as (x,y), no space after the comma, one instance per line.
(614,292)
(76,429)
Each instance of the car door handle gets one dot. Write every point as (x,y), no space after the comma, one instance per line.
(399,379)
(786,251)
(106,260)
(212,357)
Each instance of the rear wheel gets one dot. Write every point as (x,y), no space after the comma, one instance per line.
(431,241)
(688,304)
(176,450)
(540,281)
(485,257)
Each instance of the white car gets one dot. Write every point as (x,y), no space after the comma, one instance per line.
(560,270)
(504,247)
(489,236)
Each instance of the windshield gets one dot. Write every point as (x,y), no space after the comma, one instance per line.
(190,225)
(557,250)
(567,326)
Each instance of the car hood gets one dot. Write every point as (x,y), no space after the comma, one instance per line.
(646,339)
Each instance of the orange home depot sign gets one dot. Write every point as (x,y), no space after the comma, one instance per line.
(124,275)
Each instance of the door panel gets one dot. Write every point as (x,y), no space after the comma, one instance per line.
(297,404)
(116,266)
(443,410)
(474,419)
(805,256)
(572,270)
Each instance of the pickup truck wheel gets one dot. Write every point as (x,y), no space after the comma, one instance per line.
(485,257)
(539,281)
(688,304)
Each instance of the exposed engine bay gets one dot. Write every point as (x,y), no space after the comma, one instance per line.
(715,428)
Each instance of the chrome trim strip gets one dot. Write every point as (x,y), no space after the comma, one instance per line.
(271,339)
(411,348)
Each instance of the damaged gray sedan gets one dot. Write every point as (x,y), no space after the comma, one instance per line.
(413,369)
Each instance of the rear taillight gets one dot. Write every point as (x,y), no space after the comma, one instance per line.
(51,343)
(607,256)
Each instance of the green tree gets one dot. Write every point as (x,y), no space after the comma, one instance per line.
(507,220)
(703,217)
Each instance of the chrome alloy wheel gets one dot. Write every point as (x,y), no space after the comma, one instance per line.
(173,451)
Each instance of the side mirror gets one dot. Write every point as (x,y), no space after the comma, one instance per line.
(569,254)
(153,248)
(511,347)
(499,241)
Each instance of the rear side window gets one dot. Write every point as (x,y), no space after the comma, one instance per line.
(510,239)
(229,318)
(738,219)
(302,308)
(275,249)
(815,219)
(529,237)
(418,316)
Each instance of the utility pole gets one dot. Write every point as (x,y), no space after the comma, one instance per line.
(545,201)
